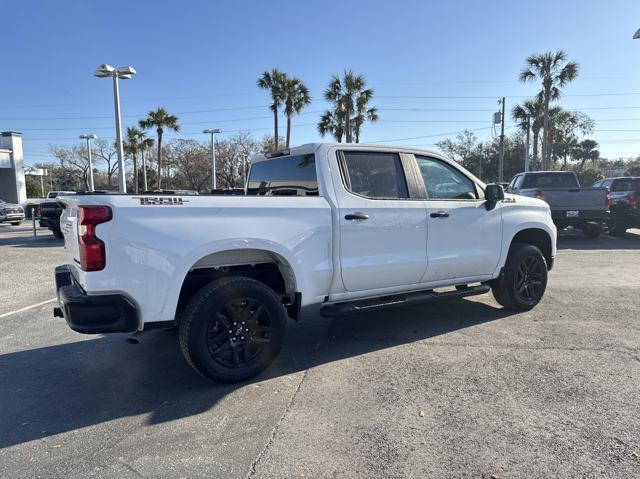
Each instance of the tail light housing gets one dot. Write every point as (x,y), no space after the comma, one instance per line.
(537,194)
(633,203)
(607,198)
(92,253)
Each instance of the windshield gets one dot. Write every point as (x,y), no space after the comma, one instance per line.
(550,180)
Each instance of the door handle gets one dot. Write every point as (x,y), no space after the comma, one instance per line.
(356,216)
(439,214)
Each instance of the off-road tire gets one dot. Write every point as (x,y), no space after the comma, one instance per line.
(208,310)
(507,289)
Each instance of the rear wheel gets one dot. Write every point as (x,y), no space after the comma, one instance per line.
(524,279)
(232,329)
(591,230)
(617,227)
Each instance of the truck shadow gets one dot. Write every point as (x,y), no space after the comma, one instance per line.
(61,388)
(575,240)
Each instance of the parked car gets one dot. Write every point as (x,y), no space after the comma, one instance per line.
(571,205)
(346,227)
(11,213)
(623,199)
(50,209)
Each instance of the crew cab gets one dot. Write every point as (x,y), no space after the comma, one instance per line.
(571,205)
(623,203)
(349,228)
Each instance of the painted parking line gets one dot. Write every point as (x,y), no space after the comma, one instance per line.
(27,308)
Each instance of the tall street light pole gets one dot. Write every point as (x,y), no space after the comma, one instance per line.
(501,160)
(124,73)
(526,145)
(212,132)
(89,137)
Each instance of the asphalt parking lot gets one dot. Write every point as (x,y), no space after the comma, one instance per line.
(455,389)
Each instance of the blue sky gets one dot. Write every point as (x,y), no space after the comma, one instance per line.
(203,55)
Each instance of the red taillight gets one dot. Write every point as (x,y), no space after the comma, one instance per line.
(634,200)
(537,194)
(92,255)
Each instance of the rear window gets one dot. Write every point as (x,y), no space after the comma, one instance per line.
(632,184)
(285,176)
(550,180)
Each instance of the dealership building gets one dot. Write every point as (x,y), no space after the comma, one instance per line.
(12,183)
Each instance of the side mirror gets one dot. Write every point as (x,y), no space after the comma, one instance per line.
(492,194)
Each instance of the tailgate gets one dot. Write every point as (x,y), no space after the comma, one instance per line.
(69,229)
(592,199)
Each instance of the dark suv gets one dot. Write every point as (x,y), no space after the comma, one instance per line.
(623,200)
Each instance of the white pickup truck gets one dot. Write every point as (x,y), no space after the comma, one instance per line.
(344,226)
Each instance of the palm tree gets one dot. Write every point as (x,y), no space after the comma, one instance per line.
(586,150)
(160,119)
(295,97)
(274,82)
(145,144)
(530,114)
(345,93)
(553,70)
(331,123)
(131,146)
(363,113)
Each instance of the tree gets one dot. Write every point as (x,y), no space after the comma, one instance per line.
(332,123)
(586,150)
(274,82)
(529,114)
(75,163)
(160,119)
(296,97)
(144,145)
(132,147)
(633,168)
(106,151)
(348,95)
(363,113)
(553,70)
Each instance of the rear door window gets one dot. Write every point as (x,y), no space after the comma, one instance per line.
(376,175)
(286,176)
(626,184)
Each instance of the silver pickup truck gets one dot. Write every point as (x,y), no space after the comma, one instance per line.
(571,205)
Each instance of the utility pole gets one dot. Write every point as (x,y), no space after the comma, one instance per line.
(212,132)
(526,146)
(501,162)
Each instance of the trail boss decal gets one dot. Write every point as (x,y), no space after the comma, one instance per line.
(160,201)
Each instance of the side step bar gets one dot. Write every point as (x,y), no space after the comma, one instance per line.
(346,308)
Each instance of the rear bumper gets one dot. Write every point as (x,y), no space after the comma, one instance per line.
(93,314)
(584,216)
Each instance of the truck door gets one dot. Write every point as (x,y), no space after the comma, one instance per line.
(383,227)
(465,239)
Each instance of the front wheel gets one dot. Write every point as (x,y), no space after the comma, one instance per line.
(524,280)
(232,329)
